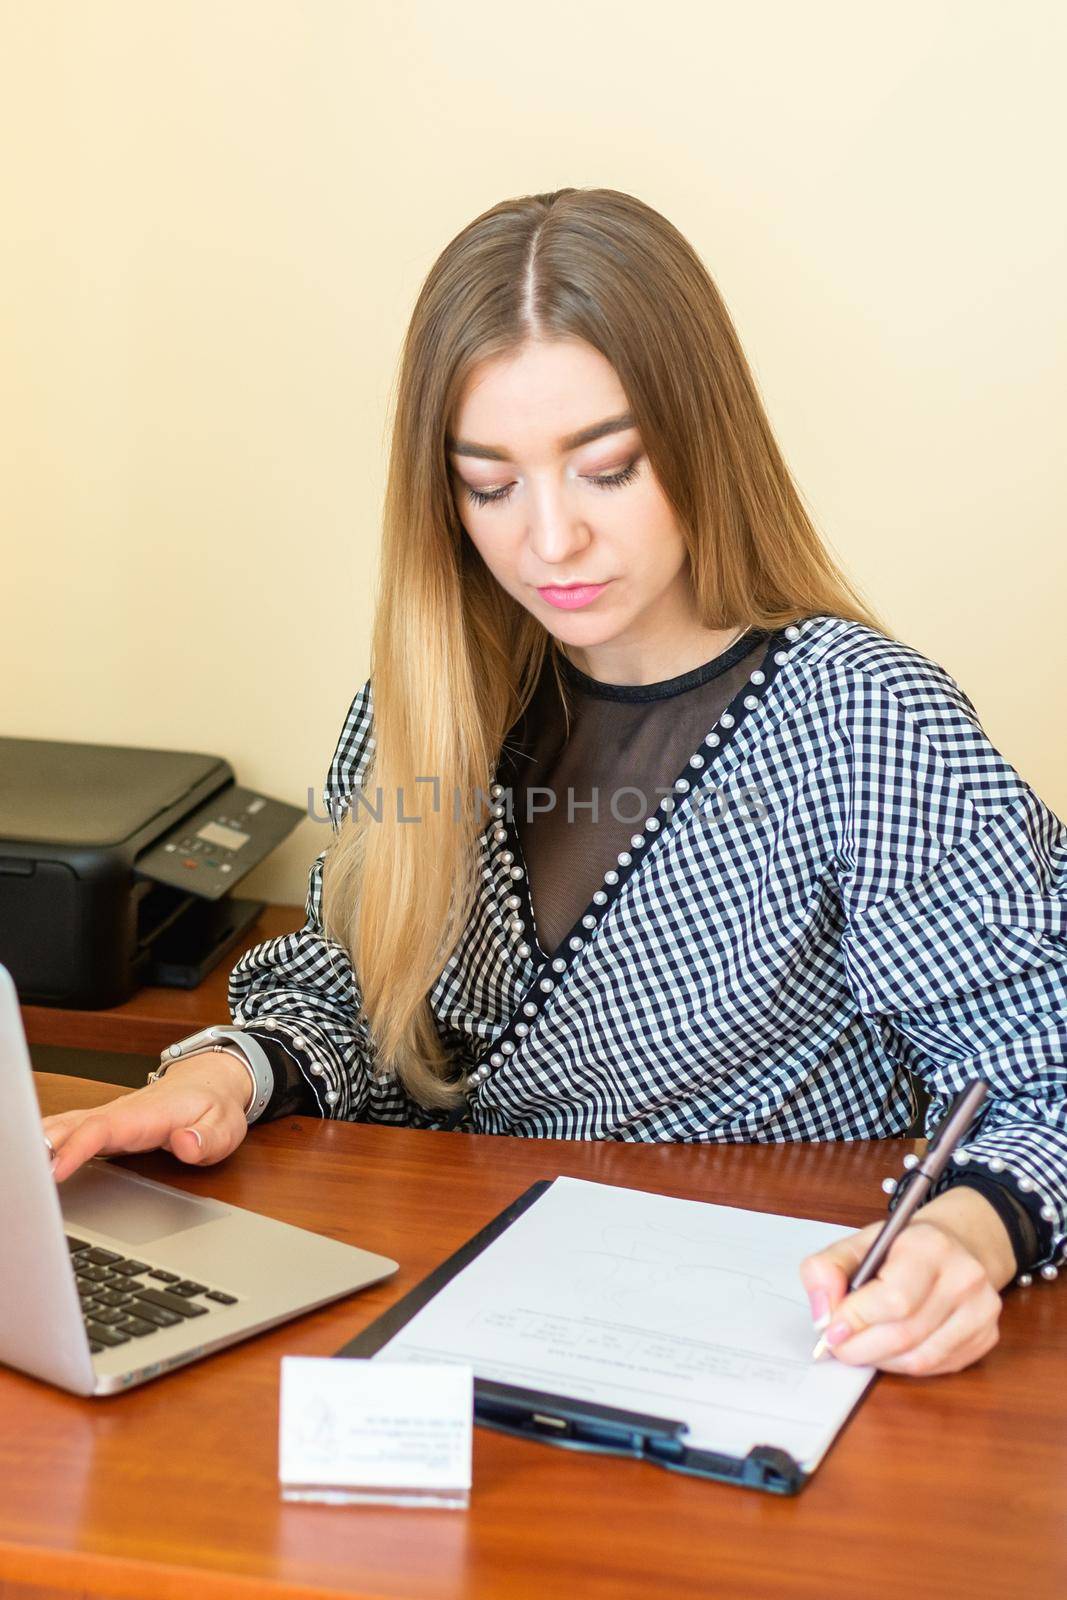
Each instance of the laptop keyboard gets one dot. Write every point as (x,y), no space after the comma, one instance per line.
(124,1298)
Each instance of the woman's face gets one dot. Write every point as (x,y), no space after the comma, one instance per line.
(552,484)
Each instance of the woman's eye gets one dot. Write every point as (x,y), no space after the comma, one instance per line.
(615,480)
(481,497)
(611,480)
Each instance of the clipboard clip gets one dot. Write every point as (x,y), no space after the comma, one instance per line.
(532,1414)
(576,1425)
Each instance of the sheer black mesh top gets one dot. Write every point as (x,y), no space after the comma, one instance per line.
(578,795)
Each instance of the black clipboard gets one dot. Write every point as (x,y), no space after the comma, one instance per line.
(569,1423)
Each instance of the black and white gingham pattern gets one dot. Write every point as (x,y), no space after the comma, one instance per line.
(897,902)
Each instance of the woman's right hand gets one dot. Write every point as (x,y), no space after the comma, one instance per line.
(196,1111)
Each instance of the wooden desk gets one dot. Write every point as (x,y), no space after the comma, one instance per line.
(156,1017)
(948,1486)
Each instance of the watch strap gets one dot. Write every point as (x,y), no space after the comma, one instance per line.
(234,1041)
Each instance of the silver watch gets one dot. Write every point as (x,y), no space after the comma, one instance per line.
(233,1041)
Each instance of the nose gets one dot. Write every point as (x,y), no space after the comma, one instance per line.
(556,531)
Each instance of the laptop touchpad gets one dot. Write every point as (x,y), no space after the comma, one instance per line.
(131,1209)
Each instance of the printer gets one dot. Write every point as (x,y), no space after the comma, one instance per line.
(118,864)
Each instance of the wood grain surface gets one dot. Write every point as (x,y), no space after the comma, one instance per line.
(947,1486)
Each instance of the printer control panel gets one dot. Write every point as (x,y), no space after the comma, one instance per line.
(215,846)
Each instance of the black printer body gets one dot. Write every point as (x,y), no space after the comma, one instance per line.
(117,866)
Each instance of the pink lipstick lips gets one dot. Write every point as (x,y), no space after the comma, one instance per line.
(572,597)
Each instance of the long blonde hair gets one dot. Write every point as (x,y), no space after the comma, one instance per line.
(454,658)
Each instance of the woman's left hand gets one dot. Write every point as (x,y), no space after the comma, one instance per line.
(931,1307)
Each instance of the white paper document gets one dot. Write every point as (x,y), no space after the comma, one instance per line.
(356,1431)
(675,1308)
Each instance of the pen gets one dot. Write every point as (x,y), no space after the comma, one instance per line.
(922,1175)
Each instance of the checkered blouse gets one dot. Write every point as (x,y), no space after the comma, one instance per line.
(896,905)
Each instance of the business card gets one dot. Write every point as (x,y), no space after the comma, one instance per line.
(354,1431)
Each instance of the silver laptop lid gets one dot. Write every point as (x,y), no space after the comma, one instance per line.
(41,1327)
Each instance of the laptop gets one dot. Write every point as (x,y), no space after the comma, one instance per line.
(110,1279)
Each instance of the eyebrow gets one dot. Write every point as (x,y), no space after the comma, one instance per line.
(571,441)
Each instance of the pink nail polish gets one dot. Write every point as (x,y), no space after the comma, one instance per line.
(837,1333)
(820,1306)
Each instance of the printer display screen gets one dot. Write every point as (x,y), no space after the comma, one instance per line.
(229,838)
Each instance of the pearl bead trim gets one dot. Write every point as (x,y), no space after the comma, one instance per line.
(1026,1185)
(501,832)
(293,1040)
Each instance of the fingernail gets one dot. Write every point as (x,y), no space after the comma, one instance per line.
(196,1135)
(838,1333)
(820,1308)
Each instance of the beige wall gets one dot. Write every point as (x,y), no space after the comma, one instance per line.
(215,216)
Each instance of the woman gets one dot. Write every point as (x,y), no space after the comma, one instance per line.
(599,587)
